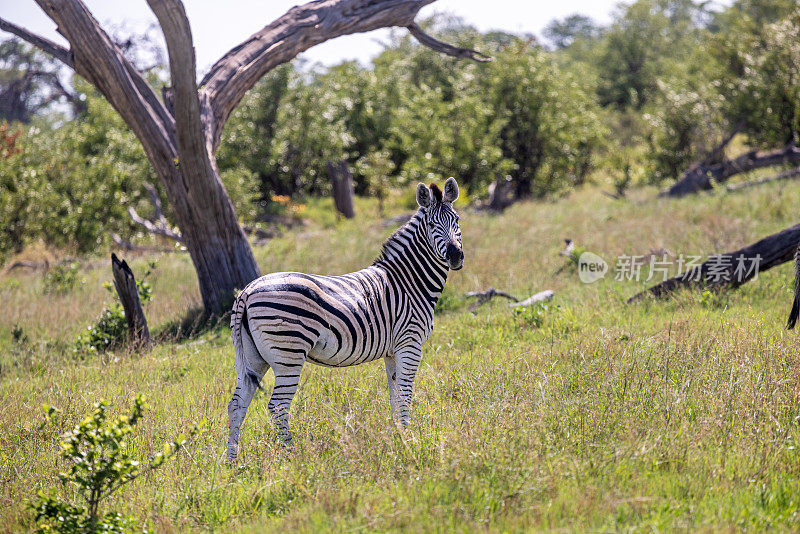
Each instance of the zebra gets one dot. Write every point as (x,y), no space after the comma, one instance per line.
(795,311)
(284,319)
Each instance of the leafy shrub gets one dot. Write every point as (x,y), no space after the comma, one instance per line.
(531,316)
(99,455)
(61,279)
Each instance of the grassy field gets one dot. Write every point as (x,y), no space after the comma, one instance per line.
(589,414)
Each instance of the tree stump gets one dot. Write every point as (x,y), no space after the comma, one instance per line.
(125,284)
(501,194)
(342,182)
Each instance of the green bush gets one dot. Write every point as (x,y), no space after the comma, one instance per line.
(61,279)
(98,452)
(532,316)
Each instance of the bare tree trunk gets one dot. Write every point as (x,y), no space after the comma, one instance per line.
(720,271)
(181,134)
(342,183)
(125,284)
(701,177)
(500,194)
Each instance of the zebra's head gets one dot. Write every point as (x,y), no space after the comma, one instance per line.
(444,233)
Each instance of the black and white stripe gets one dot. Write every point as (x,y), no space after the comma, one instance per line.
(282,320)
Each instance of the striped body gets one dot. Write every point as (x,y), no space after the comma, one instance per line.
(284,319)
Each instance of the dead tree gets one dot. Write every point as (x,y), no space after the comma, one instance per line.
(181,131)
(720,270)
(342,185)
(703,177)
(125,284)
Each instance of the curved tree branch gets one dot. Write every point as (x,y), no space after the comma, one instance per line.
(444,48)
(59,52)
(296,31)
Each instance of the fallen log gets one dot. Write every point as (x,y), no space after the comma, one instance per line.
(485,296)
(785,175)
(125,284)
(702,177)
(541,296)
(732,269)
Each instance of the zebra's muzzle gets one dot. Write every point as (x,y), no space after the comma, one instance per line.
(455,256)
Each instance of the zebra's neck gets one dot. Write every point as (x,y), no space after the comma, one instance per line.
(408,254)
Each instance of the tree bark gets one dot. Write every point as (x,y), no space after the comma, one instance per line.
(702,177)
(342,184)
(720,271)
(125,284)
(181,134)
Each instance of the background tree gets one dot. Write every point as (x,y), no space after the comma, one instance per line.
(30,82)
(181,134)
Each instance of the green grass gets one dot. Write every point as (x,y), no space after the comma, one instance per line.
(657,416)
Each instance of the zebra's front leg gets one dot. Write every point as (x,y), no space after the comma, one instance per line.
(407,364)
(391,382)
(286,381)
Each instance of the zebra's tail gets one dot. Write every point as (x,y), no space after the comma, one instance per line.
(796,304)
(239,322)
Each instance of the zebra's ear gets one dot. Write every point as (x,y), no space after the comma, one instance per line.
(424,196)
(450,190)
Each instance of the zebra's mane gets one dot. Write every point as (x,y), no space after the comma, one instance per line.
(397,233)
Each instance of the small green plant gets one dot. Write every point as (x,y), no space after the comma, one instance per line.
(111,327)
(713,299)
(531,316)
(18,335)
(61,279)
(99,454)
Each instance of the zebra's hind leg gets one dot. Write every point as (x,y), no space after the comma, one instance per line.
(249,373)
(287,377)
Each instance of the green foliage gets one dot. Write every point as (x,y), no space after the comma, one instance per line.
(71,185)
(646,41)
(758,56)
(551,122)
(99,455)
(104,334)
(111,327)
(532,316)
(686,120)
(420,116)
(714,299)
(62,278)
